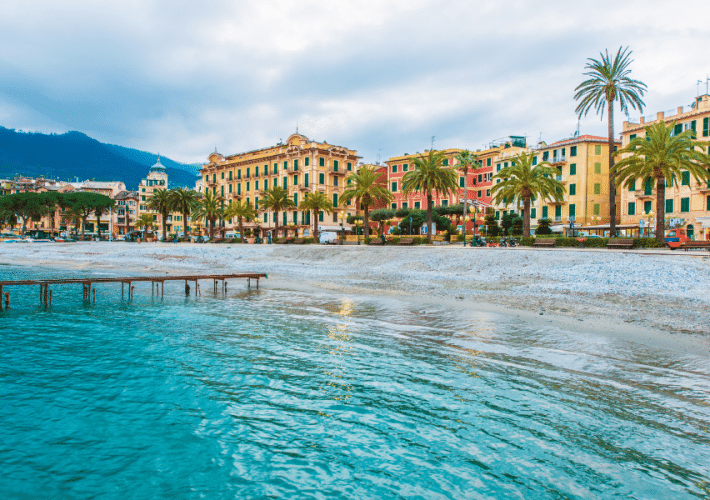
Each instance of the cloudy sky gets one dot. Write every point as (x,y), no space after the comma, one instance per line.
(383,77)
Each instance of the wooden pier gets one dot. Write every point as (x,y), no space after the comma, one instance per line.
(127,285)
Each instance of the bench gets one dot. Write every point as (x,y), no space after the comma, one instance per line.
(690,245)
(287,241)
(620,243)
(406,241)
(544,242)
(375,241)
(299,241)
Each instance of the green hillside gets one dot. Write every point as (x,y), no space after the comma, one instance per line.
(73,154)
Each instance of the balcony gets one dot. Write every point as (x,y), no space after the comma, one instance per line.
(558,159)
(337,172)
(561,178)
(704,188)
(303,188)
(645,194)
(558,218)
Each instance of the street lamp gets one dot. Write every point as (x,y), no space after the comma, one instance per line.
(650,215)
(342,226)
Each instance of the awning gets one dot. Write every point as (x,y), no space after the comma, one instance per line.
(322,227)
(703,221)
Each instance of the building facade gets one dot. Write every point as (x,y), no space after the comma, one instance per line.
(687,202)
(300,166)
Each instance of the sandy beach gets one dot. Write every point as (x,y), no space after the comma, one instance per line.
(648,297)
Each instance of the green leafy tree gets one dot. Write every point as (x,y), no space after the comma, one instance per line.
(465,161)
(161,203)
(316,202)
(24,206)
(382,215)
(523,181)
(413,221)
(429,175)
(210,208)
(184,201)
(543,227)
(145,222)
(366,187)
(240,210)
(276,199)
(492,227)
(608,81)
(83,204)
(665,157)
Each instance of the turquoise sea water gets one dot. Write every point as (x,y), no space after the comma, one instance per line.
(276,394)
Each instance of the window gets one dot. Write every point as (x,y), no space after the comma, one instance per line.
(394,187)
(685,176)
(335,199)
(669,206)
(545,212)
(572,189)
(222,190)
(350,166)
(573,151)
(446,162)
(230,189)
(480,177)
(678,128)
(276,182)
(533,213)
(572,211)
(596,208)
(632,137)
(597,149)
(214,179)
(545,156)
(239,189)
(266,218)
(335,165)
(497,215)
(480,193)
(444,203)
(276,170)
(239,174)
(648,188)
(230,175)
(306,161)
(417,204)
(685,205)
(256,185)
(632,186)
(534,160)
(295,200)
(247,189)
(256,203)
(321,162)
(706,127)
(462,182)
(707,206)
(335,181)
(284,218)
(632,208)
(647,207)
(295,180)
(286,165)
(142,190)
(488,162)
(497,167)
(404,204)
(597,188)
(295,165)
(558,212)
(222,176)
(321,178)
(597,168)
(305,179)
(394,169)
(573,169)
(405,167)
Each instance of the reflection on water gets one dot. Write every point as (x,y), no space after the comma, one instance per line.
(285,394)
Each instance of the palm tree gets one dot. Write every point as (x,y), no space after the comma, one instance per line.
(317,202)
(241,210)
(665,157)
(276,199)
(429,175)
(365,188)
(608,82)
(466,161)
(522,181)
(160,202)
(210,208)
(184,201)
(145,221)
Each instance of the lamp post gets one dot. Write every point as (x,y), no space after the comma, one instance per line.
(342,227)
(650,215)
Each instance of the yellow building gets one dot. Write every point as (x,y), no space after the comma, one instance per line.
(300,166)
(687,202)
(583,165)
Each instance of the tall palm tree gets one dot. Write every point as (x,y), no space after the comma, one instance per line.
(184,201)
(608,82)
(366,189)
(241,210)
(160,202)
(145,221)
(317,202)
(665,157)
(276,199)
(465,161)
(428,176)
(523,181)
(210,208)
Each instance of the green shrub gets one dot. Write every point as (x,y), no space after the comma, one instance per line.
(647,243)
(527,242)
(368,240)
(308,241)
(420,240)
(393,241)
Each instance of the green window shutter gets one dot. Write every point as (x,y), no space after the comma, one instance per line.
(669,206)
(256,185)
(648,187)
(678,128)
(597,149)
(285,182)
(248,173)
(597,188)
(284,218)
(248,187)
(573,169)
(394,187)
(686,178)
(222,190)
(632,208)
(572,189)
(295,180)
(256,203)
(417,204)
(505,164)
(320,216)
(706,127)
(256,171)
(394,169)
(305,180)
(693,125)
(558,211)
(239,189)
(707,206)
(276,182)
(321,178)
(335,199)
(276,168)
(274,217)
(286,165)
(597,168)
(295,199)
(488,162)
(545,212)
(266,218)
(596,208)
(685,205)
(335,165)
(632,187)
(462,182)
(321,162)
(306,161)
(533,213)
(647,207)
(230,188)
(405,167)
(545,156)
(446,162)
(295,165)
(572,210)
(394,205)
(497,215)
(632,137)
(239,173)
(350,166)
(573,151)
(534,160)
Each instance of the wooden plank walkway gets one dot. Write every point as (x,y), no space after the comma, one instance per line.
(157,284)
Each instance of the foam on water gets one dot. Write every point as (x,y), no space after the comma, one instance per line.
(287,394)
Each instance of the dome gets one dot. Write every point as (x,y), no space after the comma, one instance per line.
(158,166)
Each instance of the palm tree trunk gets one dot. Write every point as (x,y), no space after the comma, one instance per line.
(367,221)
(185,237)
(276,225)
(241,229)
(163,216)
(212,229)
(612,185)
(465,204)
(660,209)
(526,219)
(83,227)
(98,224)
(315,226)
(429,207)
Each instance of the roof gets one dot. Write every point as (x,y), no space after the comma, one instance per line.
(581,138)
(123,195)
(158,165)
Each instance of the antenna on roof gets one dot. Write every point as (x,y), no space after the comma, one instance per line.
(697,85)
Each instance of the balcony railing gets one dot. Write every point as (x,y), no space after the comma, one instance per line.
(558,218)
(558,159)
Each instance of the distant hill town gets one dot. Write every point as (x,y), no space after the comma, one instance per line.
(73,154)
